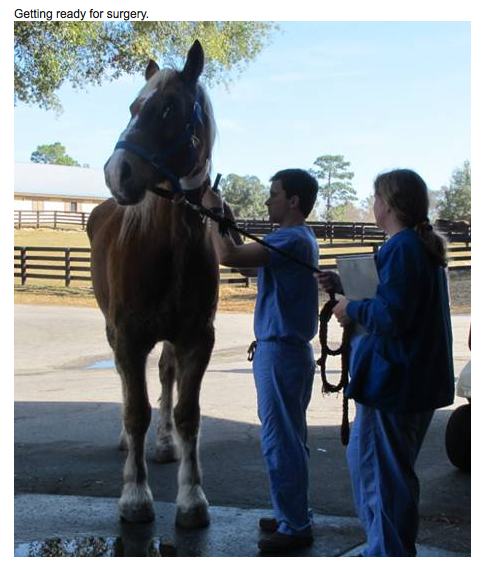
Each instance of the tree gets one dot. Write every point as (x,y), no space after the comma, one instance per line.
(47,54)
(246,195)
(54,154)
(434,198)
(455,202)
(366,209)
(336,189)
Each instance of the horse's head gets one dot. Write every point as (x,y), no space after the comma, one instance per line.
(170,134)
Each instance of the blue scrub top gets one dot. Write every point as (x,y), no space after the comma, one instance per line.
(287,299)
(404,363)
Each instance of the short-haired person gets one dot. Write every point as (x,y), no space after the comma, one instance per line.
(285,321)
(402,368)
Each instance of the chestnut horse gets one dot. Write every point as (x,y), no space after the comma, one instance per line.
(155,278)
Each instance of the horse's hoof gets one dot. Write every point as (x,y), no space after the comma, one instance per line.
(196,518)
(136,504)
(137,514)
(165,453)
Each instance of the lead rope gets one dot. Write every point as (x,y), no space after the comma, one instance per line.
(344,352)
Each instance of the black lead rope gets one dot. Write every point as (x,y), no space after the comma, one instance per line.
(344,351)
(224,224)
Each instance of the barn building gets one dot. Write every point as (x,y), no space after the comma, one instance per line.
(41,187)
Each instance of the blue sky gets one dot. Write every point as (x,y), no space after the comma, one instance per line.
(382,94)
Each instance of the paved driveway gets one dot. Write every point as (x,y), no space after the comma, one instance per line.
(67,420)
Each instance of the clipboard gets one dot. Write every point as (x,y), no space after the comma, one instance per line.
(359,277)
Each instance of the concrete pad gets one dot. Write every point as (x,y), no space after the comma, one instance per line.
(233,531)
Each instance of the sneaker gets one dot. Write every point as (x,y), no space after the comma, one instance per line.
(278,543)
(268,524)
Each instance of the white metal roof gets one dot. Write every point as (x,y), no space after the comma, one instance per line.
(59,180)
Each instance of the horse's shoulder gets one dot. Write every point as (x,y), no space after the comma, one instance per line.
(99,214)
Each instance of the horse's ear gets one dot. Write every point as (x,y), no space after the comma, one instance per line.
(194,64)
(151,69)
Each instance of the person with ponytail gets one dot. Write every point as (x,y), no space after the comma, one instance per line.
(401,368)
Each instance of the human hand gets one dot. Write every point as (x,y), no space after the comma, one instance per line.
(340,311)
(329,281)
(211,199)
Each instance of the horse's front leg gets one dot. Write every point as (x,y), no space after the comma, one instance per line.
(192,361)
(165,446)
(136,501)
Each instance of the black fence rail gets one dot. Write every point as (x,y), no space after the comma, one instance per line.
(354,231)
(73,264)
(62,264)
(455,231)
(46,218)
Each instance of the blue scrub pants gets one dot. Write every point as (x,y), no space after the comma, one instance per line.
(284,378)
(381,456)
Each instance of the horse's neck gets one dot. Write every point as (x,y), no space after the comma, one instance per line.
(156,216)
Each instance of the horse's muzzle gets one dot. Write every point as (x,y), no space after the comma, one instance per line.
(120,179)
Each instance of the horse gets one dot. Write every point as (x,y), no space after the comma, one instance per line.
(155,278)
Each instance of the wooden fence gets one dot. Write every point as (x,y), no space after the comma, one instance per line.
(73,264)
(49,218)
(324,231)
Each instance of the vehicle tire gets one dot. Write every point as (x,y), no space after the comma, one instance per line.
(458,438)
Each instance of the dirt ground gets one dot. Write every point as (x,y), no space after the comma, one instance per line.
(460,291)
(232,298)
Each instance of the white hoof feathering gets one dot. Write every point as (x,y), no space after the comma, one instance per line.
(192,508)
(136,503)
(166,451)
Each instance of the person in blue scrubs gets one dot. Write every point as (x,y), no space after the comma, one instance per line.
(285,321)
(402,368)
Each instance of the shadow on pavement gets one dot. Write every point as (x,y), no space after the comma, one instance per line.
(70,449)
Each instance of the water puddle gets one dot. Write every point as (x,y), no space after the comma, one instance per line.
(94,547)
(102,364)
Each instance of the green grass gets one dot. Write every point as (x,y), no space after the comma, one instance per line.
(51,238)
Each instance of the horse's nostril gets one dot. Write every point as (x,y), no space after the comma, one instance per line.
(125,173)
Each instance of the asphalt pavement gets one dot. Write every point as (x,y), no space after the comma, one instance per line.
(68,472)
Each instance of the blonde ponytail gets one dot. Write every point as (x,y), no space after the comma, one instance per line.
(435,243)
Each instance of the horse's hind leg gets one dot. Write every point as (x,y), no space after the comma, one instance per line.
(192,360)
(165,446)
(136,502)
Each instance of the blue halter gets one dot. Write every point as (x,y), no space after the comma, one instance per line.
(158,160)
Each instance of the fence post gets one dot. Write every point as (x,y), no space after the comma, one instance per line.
(38,219)
(23,265)
(67,267)
(83,220)
(54,219)
(19,219)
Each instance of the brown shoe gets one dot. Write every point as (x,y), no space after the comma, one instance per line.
(268,524)
(278,543)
